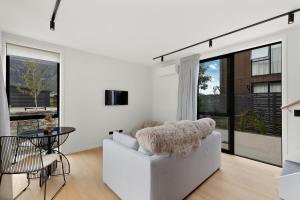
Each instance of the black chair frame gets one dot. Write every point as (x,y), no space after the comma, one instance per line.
(34,155)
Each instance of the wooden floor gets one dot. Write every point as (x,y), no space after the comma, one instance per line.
(238,179)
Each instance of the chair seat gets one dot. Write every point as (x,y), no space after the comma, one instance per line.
(32,163)
(24,144)
(49,159)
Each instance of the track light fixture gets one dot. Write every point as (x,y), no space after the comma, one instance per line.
(290,15)
(52,25)
(210,43)
(162,59)
(52,22)
(291,18)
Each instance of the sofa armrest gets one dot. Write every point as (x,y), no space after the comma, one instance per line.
(135,176)
(289,186)
(126,171)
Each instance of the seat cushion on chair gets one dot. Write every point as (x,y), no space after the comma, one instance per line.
(30,163)
(25,144)
(49,159)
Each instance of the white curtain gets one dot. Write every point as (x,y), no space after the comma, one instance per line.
(188,71)
(4,114)
(260,88)
(6,188)
(260,67)
(276,59)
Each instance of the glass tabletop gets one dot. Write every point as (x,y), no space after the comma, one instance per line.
(42,133)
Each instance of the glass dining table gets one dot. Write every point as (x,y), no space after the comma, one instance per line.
(53,131)
(60,134)
(50,141)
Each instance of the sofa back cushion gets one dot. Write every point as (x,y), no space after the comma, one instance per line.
(144,151)
(126,140)
(175,138)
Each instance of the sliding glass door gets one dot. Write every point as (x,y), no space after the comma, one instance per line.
(214,96)
(242,92)
(257,97)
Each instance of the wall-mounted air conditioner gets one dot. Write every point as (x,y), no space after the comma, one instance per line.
(166,70)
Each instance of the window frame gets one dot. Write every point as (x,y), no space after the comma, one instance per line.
(275,82)
(229,84)
(269,86)
(229,114)
(231,133)
(269,58)
(28,117)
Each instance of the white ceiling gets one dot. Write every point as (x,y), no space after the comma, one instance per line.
(137,30)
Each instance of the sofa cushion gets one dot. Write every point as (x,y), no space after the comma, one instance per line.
(144,151)
(126,140)
(175,138)
(147,124)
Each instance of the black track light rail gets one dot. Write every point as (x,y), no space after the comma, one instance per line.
(228,33)
(52,22)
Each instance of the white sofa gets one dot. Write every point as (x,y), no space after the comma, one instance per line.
(135,176)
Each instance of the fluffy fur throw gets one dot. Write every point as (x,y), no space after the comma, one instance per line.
(175,138)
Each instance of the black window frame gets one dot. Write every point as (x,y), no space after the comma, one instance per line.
(231,131)
(265,82)
(270,82)
(29,117)
(269,86)
(230,99)
(269,57)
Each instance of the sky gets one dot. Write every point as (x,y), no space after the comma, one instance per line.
(213,70)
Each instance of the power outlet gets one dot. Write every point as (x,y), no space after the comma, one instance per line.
(112,132)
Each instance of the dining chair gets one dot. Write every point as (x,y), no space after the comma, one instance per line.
(25,125)
(32,159)
(53,145)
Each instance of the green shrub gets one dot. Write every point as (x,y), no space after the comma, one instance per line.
(259,124)
(252,121)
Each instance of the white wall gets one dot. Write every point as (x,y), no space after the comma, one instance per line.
(84,77)
(165,91)
(293,94)
(164,88)
(6,184)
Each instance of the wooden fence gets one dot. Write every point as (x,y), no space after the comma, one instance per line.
(267,106)
(18,99)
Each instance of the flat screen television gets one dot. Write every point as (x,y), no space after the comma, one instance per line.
(116,97)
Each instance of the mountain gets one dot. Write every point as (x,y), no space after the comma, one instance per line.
(48,72)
